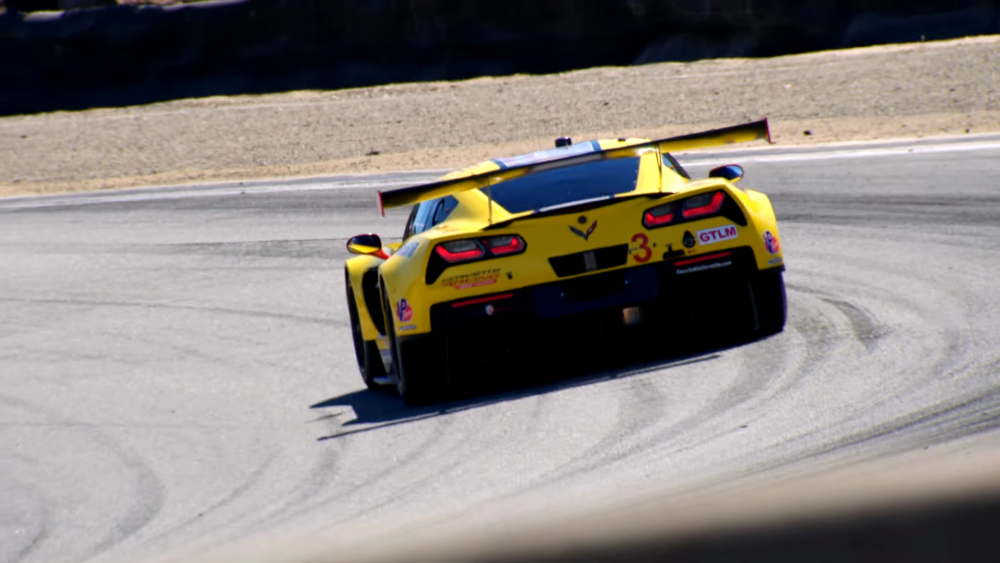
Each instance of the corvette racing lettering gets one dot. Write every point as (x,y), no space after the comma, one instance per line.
(585,236)
(408,249)
(717,234)
(406,328)
(403,311)
(774,262)
(475,279)
(703,267)
(771,243)
(643,253)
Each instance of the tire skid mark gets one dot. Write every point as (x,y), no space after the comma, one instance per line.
(866,329)
(43,504)
(450,462)
(593,459)
(750,390)
(169,306)
(632,420)
(325,472)
(956,361)
(951,416)
(822,338)
(148,494)
(232,496)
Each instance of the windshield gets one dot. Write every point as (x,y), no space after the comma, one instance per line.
(581,182)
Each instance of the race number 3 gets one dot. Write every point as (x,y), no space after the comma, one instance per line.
(644,252)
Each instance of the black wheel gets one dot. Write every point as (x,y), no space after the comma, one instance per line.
(770,304)
(366,351)
(417,363)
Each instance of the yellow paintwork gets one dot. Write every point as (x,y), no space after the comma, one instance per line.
(550,236)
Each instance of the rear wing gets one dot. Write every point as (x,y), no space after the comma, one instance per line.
(714,138)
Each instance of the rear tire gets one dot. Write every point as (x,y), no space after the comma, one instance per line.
(418,378)
(366,351)
(770,303)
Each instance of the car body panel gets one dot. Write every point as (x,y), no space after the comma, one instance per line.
(403,280)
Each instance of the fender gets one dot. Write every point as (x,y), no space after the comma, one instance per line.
(764,221)
(362,271)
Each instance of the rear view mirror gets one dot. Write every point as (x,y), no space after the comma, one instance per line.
(731,172)
(369,245)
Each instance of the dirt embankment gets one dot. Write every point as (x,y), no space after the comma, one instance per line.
(911,90)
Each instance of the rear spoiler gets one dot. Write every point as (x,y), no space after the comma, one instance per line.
(714,138)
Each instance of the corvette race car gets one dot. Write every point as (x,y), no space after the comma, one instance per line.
(599,236)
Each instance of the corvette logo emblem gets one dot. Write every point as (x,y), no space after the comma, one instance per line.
(584,235)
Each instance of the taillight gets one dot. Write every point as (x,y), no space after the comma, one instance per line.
(504,244)
(704,204)
(467,250)
(461,251)
(659,216)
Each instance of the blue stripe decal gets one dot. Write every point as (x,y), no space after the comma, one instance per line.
(499,163)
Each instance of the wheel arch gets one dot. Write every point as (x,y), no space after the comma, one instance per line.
(363,275)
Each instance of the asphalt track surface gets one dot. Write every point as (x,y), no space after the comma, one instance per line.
(176,369)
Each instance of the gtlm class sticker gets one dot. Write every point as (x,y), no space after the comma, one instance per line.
(717,234)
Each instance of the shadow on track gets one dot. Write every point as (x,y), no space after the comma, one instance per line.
(381,409)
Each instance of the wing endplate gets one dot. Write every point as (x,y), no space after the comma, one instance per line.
(714,138)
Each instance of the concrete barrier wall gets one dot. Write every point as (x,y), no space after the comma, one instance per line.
(126,55)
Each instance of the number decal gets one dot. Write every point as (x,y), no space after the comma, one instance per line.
(644,246)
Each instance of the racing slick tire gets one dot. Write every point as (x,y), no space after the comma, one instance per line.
(417,362)
(366,351)
(769,302)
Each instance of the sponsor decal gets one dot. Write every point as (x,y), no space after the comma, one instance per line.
(405,328)
(703,267)
(717,234)
(408,249)
(771,243)
(774,262)
(584,235)
(475,279)
(490,310)
(403,311)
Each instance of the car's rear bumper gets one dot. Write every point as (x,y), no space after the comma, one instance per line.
(711,284)
(675,282)
(703,296)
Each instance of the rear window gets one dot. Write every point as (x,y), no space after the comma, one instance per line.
(601,178)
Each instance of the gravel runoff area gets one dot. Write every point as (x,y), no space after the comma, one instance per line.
(894,91)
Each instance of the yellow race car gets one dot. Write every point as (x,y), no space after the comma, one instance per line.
(602,235)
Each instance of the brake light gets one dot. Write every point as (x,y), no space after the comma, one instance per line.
(504,244)
(481,300)
(460,251)
(659,216)
(467,250)
(704,204)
